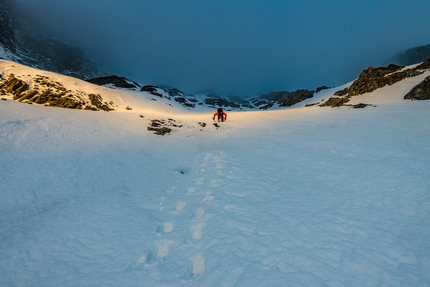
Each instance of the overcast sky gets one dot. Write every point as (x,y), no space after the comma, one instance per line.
(241,47)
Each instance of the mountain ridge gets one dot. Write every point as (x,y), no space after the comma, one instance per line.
(33,86)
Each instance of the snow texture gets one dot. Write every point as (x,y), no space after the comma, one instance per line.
(305,196)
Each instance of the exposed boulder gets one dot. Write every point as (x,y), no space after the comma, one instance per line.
(361,106)
(420,92)
(162,127)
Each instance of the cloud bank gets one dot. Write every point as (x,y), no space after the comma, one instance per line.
(236,47)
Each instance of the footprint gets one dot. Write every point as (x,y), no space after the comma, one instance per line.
(200,180)
(163,247)
(180,205)
(147,258)
(215,182)
(199,212)
(197,230)
(199,265)
(191,190)
(208,197)
(168,226)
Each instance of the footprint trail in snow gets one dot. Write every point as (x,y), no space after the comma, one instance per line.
(196,202)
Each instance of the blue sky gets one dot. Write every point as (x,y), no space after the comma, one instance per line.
(238,47)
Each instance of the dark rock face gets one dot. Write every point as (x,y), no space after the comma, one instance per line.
(50,93)
(116,81)
(7,32)
(420,92)
(25,47)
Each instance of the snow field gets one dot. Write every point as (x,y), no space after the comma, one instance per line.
(295,197)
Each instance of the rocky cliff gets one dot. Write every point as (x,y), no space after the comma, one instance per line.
(19,43)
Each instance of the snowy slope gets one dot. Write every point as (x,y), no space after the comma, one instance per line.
(305,196)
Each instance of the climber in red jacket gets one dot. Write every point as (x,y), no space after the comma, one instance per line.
(220,114)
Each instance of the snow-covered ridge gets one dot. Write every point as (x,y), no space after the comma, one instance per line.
(30,85)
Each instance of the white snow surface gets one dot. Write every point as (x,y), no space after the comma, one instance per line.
(305,196)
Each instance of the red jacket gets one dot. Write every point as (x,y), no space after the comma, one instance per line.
(221,115)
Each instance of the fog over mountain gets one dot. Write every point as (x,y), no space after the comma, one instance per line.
(235,47)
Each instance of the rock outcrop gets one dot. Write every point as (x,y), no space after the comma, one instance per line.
(375,78)
(335,102)
(283,99)
(420,92)
(162,127)
(50,93)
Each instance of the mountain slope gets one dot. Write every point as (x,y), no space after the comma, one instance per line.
(300,196)
(34,86)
